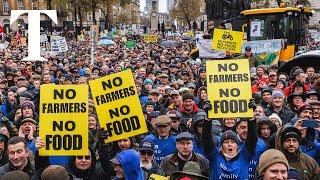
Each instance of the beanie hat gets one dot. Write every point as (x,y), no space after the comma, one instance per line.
(16,174)
(294,174)
(26,94)
(269,158)
(54,172)
(229,135)
(147,81)
(276,94)
(29,104)
(290,132)
(263,90)
(187,96)
(239,120)
(275,116)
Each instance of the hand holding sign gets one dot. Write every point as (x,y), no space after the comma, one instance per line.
(39,143)
(102,135)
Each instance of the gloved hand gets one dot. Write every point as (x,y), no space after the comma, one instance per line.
(252,104)
(207,106)
(5,121)
(102,135)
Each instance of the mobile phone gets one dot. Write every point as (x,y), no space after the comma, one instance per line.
(310,123)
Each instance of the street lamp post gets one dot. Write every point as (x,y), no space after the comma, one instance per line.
(75,18)
(50,21)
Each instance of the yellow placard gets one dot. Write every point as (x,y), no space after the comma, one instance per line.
(229,88)
(149,38)
(189,33)
(227,40)
(118,106)
(64,120)
(158,177)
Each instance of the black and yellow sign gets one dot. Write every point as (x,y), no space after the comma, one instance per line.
(229,88)
(64,119)
(227,40)
(118,106)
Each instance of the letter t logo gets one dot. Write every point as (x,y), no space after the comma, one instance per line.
(33,30)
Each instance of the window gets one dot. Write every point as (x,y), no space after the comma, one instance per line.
(89,16)
(6,7)
(34,5)
(20,5)
(69,17)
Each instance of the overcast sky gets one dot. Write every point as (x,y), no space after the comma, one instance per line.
(162,4)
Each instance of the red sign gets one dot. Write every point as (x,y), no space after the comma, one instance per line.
(1,29)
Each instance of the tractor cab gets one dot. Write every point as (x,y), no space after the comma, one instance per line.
(286,23)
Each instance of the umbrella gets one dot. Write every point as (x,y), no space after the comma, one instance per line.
(105,42)
(169,43)
(304,60)
(105,36)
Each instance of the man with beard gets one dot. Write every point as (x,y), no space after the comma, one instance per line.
(184,153)
(288,140)
(149,166)
(18,154)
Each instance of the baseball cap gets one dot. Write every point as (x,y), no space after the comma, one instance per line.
(146,145)
(174,92)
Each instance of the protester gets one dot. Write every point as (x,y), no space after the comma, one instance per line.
(176,162)
(162,138)
(146,150)
(19,159)
(277,106)
(228,151)
(272,165)
(127,165)
(191,170)
(288,141)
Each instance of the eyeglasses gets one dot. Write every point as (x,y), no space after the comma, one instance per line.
(149,153)
(86,157)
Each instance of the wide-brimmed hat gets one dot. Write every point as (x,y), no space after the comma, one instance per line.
(294,94)
(190,168)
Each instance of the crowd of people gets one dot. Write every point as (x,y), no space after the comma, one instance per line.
(281,141)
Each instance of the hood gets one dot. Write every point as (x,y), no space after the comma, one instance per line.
(130,162)
(278,144)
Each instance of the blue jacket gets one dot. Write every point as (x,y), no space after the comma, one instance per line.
(60,160)
(254,159)
(312,150)
(130,162)
(236,169)
(163,147)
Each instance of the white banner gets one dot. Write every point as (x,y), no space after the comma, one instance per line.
(43,38)
(58,44)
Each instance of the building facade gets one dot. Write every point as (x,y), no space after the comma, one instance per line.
(315,19)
